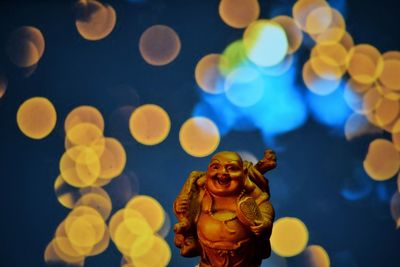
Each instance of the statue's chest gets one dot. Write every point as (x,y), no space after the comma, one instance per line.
(218,221)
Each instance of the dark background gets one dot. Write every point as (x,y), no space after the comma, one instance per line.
(319,179)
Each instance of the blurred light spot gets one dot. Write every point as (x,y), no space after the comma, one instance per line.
(293,32)
(357,186)
(150,209)
(395,208)
(87,135)
(199,136)
(209,107)
(64,248)
(82,170)
(328,61)
(232,57)
(382,160)
(386,112)
(281,109)
(84,114)
(316,84)
(238,13)
(365,63)
(113,159)
(166,227)
(149,124)
(123,188)
(281,68)
(159,254)
(244,87)
(98,200)
(316,256)
(371,100)
(387,92)
(94,21)
(66,194)
(330,110)
(159,45)
(52,258)
(3,85)
(302,10)
(36,117)
(357,125)
(335,31)
(318,20)
(119,124)
(25,46)
(265,43)
(389,76)
(208,73)
(289,237)
(354,95)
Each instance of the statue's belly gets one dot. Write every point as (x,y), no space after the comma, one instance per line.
(221,229)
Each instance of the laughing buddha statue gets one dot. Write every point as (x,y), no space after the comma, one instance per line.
(224,214)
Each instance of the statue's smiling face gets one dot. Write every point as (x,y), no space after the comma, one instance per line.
(225,176)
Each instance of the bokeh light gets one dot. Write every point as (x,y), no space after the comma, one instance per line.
(3,85)
(382,161)
(36,117)
(25,46)
(84,114)
(237,13)
(149,124)
(94,21)
(210,68)
(289,237)
(244,87)
(113,159)
(150,209)
(316,256)
(159,45)
(199,136)
(293,32)
(313,16)
(316,84)
(365,63)
(395,208)
(265,42)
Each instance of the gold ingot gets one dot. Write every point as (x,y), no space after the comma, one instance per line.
(382,161)
(84,114)
(199,136)
(151,210)
(36,117)
(289,237)
(149,124)
(237,13)
(159,45)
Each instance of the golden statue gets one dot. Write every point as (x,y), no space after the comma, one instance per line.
(224,214)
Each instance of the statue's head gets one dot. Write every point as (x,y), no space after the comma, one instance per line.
(225,174)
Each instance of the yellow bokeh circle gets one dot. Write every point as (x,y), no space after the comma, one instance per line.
(36,117)
(199,136)
(149,124)
(289,237)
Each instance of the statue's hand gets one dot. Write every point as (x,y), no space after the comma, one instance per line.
(259,227)
(270,156)
(182,204)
